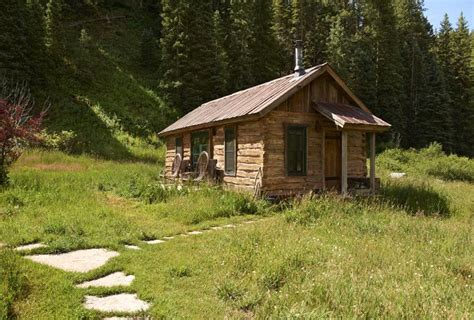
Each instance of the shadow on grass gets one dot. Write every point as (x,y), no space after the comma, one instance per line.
(416,198)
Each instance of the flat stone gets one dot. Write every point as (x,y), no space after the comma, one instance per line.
(111,280)
(132,247)
(195,232)
(2,245)
(123,302)
(168,238)
(216,228)
(229,226)
(31,246)
(76,261)
(397,175)
(249,222)
(154,241)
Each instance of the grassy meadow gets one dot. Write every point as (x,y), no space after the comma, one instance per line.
(406,253)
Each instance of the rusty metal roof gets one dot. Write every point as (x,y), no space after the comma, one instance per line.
(246,103)
(347,116)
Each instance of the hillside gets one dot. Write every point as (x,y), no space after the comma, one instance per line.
(110,68)
(97,85)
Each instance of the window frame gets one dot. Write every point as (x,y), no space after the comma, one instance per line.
(234,171)
(304,173)
(193,133)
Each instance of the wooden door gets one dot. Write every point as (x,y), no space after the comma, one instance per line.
(332,165)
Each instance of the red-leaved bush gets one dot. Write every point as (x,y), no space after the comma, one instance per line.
(18,128)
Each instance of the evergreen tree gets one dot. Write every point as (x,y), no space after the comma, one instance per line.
(190,74)
(389,91)
(282,22)
(22,51)
(52,23)
(463,114)
(239,53)
(263,44)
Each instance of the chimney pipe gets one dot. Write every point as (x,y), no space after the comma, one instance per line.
(299,68)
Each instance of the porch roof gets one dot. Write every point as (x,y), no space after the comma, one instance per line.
(350,117)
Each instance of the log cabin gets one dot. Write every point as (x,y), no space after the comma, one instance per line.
(303,132)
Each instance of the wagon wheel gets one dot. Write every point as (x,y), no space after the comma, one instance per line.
(175,168)
(258,184)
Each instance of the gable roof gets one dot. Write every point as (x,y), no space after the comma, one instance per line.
(346,116)
(254,102)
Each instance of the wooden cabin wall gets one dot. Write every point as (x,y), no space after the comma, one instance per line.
(298,110)
(249,153)
(171,150)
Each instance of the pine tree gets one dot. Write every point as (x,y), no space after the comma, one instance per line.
(463,115)
(282,22)
(263,44)
(190,74)
(52,24)
(389,91)
(239,53)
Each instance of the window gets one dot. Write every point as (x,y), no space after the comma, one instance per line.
(296,150)
(179,146)
(200,143)
(229,150)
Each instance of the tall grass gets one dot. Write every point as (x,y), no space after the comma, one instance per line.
(13,283)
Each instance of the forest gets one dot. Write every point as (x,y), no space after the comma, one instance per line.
(176,54)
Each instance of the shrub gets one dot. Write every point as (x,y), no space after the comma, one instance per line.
(429,161)
(17,126)
(63,141)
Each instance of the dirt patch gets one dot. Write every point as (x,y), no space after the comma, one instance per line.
(76,261)
(124,302)
(116,201)
(68,167)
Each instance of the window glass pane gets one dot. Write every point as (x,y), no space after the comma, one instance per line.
(179,146)
(296,150)
(200,143)
(229,150)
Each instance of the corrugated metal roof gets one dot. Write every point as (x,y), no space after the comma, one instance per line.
(250,102)
(345,115)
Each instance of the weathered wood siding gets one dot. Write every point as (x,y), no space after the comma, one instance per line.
(249,153)
(297,110)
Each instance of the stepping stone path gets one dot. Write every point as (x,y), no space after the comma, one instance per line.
(154,241)
(122,302)
(2,245)
(31,246)
(90,259)
(112,280)
(76,261)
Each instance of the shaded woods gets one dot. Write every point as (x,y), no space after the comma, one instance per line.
(417,78)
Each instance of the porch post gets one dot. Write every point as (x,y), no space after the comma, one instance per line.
(344,163)
(323,160)
(372,162)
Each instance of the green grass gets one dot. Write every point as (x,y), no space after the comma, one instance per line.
(403,254)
